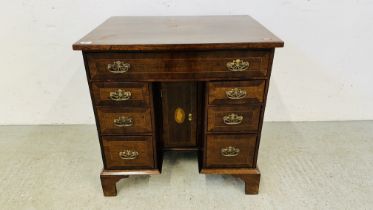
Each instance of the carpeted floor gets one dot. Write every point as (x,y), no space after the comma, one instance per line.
(314,165)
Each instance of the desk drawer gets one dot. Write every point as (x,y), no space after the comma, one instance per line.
(128,152)
(236,92)
(233,118)
(124,120)
(121,93)
(126,66)
(230,150)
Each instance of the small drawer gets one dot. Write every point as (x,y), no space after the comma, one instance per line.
(118,120)
(121,93)
(233,118)
(128,152)
(229,151)
(125,66)
(236,92)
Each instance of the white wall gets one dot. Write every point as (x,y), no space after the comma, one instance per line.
(323,73)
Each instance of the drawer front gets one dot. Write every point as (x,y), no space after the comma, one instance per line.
(230,150)
(236,92)
(128,152)
(124,120)
(187,65)
(123,94)
(233,118)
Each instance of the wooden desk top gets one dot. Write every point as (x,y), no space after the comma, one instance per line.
(178,33)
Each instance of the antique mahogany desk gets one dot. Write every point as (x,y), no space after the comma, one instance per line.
(179,83)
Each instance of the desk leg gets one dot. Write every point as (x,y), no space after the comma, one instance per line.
(251,182)
(250,176)
(109,178)
(108,183)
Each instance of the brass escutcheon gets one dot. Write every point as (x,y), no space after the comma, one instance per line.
(190,117)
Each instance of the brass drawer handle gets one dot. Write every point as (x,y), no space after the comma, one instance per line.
(232,119)
(123,121)
(120,95)
(238,65)
(118,67)
(128,154)
(230,151)
(235,93)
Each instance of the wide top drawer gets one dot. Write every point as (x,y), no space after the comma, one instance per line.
(199,65)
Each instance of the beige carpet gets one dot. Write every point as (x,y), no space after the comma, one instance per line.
(304,166)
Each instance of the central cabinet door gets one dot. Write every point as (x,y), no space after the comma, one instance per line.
(180,112)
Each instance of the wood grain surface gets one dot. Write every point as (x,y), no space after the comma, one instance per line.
(178,33)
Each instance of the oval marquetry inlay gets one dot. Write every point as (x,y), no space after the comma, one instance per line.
(179,115)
